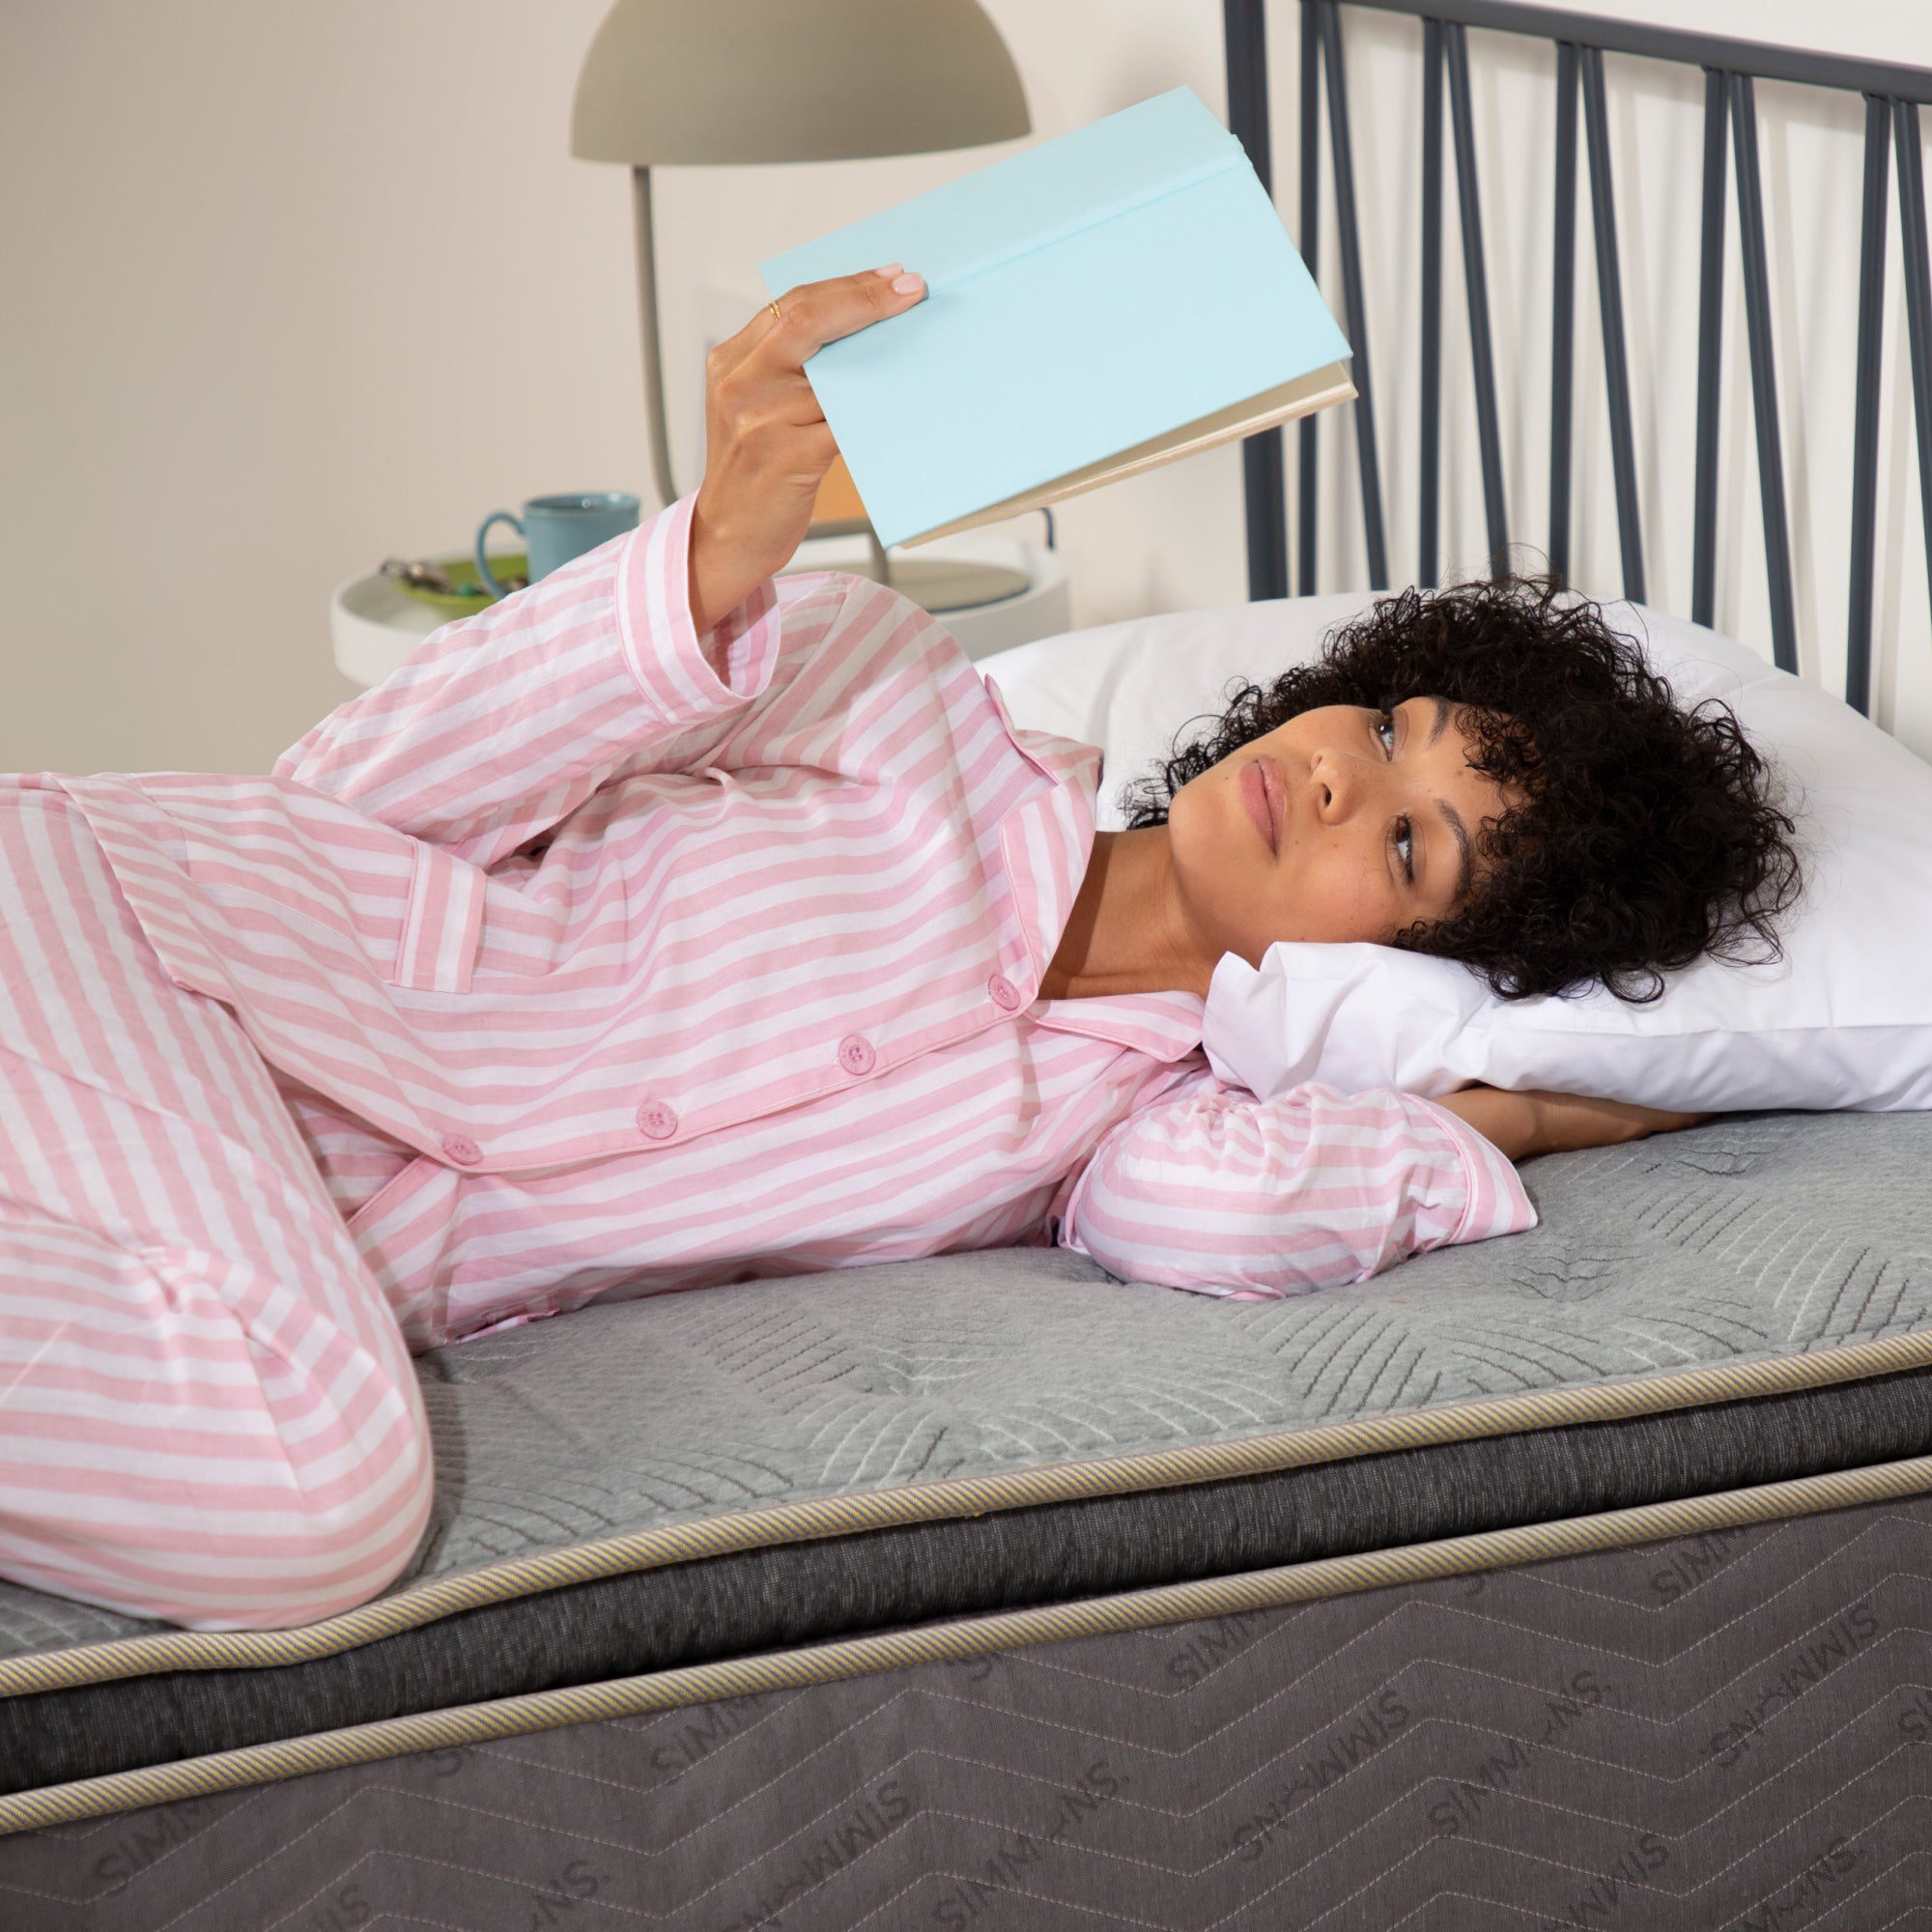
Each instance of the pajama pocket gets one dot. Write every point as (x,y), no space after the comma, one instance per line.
(441,925)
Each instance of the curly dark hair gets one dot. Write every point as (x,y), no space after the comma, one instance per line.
(1641,835)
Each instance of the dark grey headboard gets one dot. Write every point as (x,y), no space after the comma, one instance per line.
(1891,95)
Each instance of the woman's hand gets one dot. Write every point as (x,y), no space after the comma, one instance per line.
(767,447)
(1536,1121)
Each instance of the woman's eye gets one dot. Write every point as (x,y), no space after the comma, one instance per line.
(1405,848)
(1385,731)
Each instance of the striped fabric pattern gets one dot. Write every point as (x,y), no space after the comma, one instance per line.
(585,958)
(1359,1183)
(207,1411)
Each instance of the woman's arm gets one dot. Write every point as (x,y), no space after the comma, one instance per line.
(1219,1192)
(641,655)
(767,447)
(1537,1121)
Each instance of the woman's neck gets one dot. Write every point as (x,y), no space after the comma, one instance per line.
(1127,933)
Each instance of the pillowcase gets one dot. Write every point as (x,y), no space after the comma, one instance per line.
(1843,1020)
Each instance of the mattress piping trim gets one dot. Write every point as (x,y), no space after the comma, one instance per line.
(955,1641)
(853,1512)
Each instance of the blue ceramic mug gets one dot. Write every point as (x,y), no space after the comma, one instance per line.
(556,528)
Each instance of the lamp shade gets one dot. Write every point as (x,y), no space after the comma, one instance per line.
(719,81)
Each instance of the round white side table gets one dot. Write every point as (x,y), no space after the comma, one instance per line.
(372,627)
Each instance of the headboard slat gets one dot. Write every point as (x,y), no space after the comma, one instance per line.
(1563,311)
(1918,296)
(1764,372)
(1476,283)
(1429,524)
(1865,411)
(1611,306)
(1597,29)
(1710,348)
(1244,43)
(1308,448)
(1348,236)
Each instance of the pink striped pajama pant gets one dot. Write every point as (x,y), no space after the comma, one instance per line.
(206,1407)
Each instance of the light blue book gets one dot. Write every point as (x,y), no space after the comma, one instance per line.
(1096,305)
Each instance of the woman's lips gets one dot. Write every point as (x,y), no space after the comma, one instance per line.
(1261,795)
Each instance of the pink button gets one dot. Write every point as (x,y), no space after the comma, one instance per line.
(1006,994)
(657,1120)
(462,1150)
(855,1053)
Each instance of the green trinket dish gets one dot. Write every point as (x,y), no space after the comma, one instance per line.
(470,596)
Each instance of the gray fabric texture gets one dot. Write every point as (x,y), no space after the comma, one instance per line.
(1748,1239)
(762,1600)
(1754,1237)
(1728,1731)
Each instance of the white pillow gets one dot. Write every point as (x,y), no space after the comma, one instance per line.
(1843,1020)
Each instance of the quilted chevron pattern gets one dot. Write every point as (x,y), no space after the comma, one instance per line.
(1744,1239)
(1754,1238)
(1724,1731)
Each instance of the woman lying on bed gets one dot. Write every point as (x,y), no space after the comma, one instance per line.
(666,925)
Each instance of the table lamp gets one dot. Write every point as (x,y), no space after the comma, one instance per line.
(698,82)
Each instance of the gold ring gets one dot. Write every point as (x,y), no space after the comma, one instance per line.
(777,314)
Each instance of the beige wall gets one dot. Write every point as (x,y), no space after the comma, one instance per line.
(290,288)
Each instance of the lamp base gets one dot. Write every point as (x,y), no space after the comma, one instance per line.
(990,592)
(935,583)
(942,583)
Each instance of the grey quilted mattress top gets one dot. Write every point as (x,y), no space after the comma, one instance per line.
(1754,1238)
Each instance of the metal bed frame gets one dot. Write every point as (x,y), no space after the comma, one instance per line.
(1893,96)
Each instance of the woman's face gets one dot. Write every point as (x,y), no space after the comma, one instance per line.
(1343,824)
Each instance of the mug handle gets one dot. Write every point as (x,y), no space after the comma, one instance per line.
(484,574)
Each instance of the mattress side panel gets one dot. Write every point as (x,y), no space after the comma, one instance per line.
(762,1600)
(1766,1248)
(1696,1732)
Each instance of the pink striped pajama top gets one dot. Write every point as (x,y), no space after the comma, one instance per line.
(592,958)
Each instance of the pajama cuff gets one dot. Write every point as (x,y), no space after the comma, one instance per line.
(661,646)
(1495,1202)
